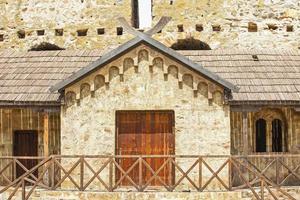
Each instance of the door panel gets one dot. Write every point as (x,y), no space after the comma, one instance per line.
(25,144)
(145,133)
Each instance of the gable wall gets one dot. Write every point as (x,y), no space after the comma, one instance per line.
(201,119)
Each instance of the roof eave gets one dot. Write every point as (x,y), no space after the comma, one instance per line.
(264,102)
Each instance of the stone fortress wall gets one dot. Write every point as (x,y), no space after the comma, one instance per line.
(92,24)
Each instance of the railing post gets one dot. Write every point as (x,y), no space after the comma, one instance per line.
(81,172)
(140,174)
(230,173)
(14,173)
(200,173)
(23,189)
(277,170)
(111,174)
(52,172)
(262,190)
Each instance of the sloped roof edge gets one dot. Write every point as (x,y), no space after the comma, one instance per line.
(142,38)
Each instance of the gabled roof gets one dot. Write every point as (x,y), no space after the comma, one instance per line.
(142,39)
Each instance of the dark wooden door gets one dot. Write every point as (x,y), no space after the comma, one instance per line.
(145,133)
(25,144)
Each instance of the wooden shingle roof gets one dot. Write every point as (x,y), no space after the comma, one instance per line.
(27,76)
(262,76)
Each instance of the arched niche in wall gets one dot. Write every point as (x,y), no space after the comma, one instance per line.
(70,98)
(113,72)
(158,63)
(203,89)
(143,55)
(85,90)
(187,79)
(128,63)
(99,81)
(173,71)
(218,97)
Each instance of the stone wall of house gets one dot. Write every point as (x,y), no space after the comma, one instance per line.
(59,22)
(144,79)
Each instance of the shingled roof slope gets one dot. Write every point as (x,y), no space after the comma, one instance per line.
(260,75)
(27,76)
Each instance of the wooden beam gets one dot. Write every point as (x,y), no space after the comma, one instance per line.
(46,134)
(297,109)
(245,133)
(245,108)
(158,27)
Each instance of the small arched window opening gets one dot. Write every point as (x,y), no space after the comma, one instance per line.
(190,43)
(277,135)
(45,46)
(261,139)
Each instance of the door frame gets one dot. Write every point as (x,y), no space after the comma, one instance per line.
(173,132)
(34,132)
(25,131)
(116,123)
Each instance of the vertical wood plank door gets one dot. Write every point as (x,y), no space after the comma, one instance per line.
(145,133)
(25,144)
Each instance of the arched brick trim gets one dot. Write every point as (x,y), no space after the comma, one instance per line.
(218,97)
(187,79)
(113,72)
(143,55)
(99,81)
(158,63)
(70,98)
(203,89)
(128,63)
(85,90)
(173,71)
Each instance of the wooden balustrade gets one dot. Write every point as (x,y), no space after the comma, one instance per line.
(176,173)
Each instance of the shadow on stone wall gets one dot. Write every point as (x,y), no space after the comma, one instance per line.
(190,43)
(45,46)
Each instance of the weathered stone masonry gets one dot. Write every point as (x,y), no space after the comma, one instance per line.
(134,83)
(92,24)
(144,79)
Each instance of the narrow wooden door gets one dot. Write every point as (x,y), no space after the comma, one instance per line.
(145,133)
(25,144)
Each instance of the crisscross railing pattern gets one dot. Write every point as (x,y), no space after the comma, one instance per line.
(186,173)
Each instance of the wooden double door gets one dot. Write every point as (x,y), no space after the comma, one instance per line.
(145,133)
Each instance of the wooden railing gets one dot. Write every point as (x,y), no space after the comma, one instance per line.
(175,173)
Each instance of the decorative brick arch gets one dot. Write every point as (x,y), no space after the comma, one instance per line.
(70,98)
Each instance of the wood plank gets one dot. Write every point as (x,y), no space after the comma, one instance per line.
(145,133)
(245,133)
(46,134)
